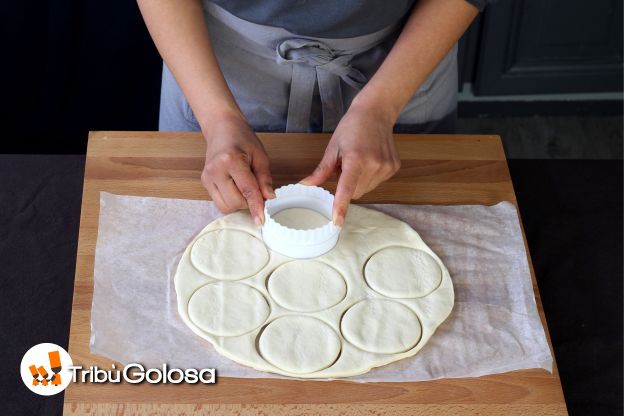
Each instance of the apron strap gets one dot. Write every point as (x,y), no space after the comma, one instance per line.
(312,62)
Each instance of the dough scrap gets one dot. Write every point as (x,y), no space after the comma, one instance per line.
(219,254)
(228,308)
(306,286)
(402,272)
(299,344)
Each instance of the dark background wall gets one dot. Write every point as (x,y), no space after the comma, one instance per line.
(541,47)
(71,66)
(76,65)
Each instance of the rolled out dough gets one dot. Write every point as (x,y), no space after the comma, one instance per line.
(212,254)
(316,343)
(227,308)
(362,327)
(298,286)
(376,297)
(402,272)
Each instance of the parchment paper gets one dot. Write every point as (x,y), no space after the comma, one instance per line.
(494,326)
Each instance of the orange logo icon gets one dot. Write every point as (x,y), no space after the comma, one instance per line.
(45,369)
(55,366)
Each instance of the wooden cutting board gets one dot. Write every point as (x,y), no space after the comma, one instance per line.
(436,169)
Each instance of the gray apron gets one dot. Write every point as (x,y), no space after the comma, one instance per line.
(286,82)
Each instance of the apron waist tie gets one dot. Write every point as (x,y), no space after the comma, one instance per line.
(315,62)
(325,61)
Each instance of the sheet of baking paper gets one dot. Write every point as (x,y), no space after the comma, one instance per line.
(494,326)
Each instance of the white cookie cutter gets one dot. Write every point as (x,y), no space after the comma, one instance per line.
(300,244)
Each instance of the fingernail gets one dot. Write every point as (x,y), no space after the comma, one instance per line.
(304,181)
(258,221)
(271,192)
(338,221)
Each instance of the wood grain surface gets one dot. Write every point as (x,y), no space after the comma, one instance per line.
(436,169)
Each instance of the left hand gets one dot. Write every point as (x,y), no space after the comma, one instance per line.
(363,152)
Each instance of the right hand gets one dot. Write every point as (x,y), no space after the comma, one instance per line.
(236,171)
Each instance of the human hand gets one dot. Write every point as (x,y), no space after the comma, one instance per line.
(236,171)
(363,152)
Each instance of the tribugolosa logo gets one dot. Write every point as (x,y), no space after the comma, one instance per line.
(45,369)
(48,369)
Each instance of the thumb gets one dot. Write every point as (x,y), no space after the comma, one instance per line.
(323,170)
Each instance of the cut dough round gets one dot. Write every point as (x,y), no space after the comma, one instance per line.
(300,218)
(219,253)
(306,286)
(402,272)
(299,344)
(381,326)
(228,308)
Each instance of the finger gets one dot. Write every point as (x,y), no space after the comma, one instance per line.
(216,197)
(388,170)
(369,181)
(347,185)
(214,193)
(249,189)
(323,170)
(230,194)
(260,167)
(364,185)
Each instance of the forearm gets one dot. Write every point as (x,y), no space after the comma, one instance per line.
(433,27)
(179,31)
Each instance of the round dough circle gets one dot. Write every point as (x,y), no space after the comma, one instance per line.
(402,272)
(228,308)
(299,344)
(306,286)
(229,254)
(381,326)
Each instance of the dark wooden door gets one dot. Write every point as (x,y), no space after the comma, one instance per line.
(549,46)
